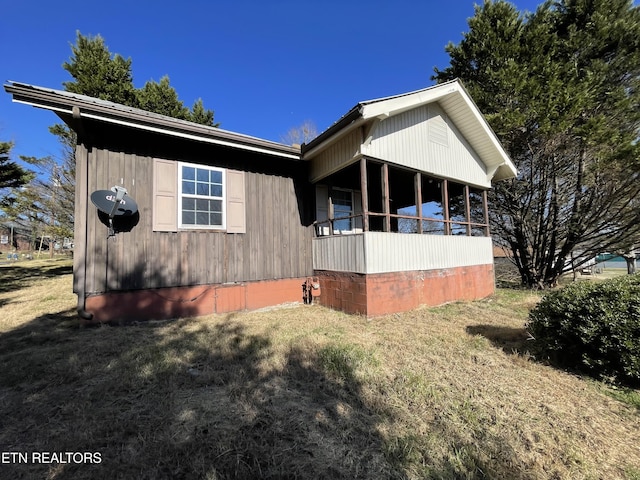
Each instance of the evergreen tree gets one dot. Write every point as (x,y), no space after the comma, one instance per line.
(201,115)
(99,74)
(12,175)
(161,97)
(560,89)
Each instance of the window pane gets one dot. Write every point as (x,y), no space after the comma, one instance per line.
(188,173)
(188,203)
(216,190)
(203,189)
(202,205)
(203,175)
(188,188)
(188,218)
(342,225)
(341,198)
(202,218)
(341,211)
(216,219)
(216,176)
(215,205)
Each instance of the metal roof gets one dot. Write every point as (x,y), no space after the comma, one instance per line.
(82,106)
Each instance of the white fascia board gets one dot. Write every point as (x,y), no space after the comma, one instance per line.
(161,130)
(47,107)
(393,106)
(491,136)
(333,138)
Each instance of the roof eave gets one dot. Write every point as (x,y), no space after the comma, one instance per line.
(340,128)
(84,107)
(495,157)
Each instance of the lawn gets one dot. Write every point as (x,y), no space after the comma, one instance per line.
(296,392)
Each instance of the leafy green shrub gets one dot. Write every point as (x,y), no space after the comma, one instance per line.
(591,327)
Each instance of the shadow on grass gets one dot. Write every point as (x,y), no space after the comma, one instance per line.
(17,276)
(182,399)
(510,340)
(205,399)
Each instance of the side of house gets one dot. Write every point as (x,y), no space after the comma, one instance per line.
(401,202)
(223,222)
(387,208)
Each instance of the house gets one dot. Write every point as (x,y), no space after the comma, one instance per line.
(385,210)
(14,238)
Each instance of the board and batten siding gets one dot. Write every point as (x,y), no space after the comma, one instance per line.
(276,243)
(382,252)
(425,139)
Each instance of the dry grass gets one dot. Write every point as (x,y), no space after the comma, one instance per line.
(300,392)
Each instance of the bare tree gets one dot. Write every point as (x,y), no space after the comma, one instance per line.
(303,133)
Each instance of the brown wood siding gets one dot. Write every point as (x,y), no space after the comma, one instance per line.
(277,243)
(80,219)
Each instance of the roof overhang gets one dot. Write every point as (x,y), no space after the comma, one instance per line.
(452,98)
(67,104)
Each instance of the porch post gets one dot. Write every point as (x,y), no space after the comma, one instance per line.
(445,205)
(330,210)
(386,208)
(418,191)
(467,209)
(365,194)
(485,207)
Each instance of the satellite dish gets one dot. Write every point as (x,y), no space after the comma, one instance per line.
(114,204)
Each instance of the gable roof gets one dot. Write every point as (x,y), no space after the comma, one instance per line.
(71,105)
(453,99)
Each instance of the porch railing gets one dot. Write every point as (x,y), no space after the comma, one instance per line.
(323,228)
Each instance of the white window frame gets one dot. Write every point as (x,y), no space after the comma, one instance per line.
(223,198)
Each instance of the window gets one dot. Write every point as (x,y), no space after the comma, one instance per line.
(188,196)
(342,207)
(201,197)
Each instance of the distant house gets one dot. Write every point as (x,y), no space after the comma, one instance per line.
(13,238)
(385,211)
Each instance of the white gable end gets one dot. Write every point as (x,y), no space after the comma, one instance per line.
(426,139)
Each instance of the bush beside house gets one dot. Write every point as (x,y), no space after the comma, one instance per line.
(593,328)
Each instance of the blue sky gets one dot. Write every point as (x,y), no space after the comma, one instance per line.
(262,66)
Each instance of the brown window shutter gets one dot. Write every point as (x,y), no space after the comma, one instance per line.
(165,196)
(236,218)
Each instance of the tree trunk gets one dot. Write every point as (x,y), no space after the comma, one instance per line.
(631,263)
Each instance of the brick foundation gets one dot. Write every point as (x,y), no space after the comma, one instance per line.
(176,302)
(382,293)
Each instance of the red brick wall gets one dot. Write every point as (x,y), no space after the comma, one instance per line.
(165,303)
(371,295)
(379,294)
